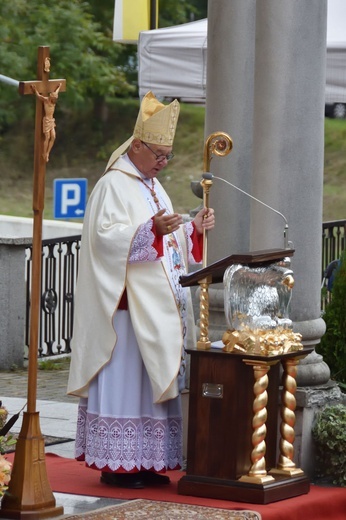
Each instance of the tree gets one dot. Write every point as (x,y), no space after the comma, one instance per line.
(79,34)
(174,12)
(81,53)
(171,12)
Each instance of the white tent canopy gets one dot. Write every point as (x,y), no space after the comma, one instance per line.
(336,23)
(173,61)
(336,58)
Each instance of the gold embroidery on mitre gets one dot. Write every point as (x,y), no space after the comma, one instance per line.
(156,123)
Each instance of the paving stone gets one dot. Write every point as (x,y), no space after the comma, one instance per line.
(51,384)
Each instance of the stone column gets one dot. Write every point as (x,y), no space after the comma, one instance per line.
(288,175)
(12,301)
(266,87)
(230,109)
(289,143)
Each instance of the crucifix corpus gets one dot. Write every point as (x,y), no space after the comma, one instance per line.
(29,495)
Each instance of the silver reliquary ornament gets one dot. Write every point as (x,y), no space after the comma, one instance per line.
(257,310)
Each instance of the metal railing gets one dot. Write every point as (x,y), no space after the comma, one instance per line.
(333,241)
(333,244)
(60,260)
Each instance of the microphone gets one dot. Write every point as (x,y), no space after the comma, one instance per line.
(209,176)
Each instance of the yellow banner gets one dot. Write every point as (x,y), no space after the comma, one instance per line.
(131,17)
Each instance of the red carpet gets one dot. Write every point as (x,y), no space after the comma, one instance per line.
(70,476)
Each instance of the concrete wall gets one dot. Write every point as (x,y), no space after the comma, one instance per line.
(18,227)
(15,237)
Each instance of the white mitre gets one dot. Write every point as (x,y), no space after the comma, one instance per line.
(156,124)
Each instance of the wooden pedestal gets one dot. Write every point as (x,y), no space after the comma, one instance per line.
(221,430)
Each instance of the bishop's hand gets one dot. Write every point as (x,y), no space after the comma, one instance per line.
(205,219)
(166,224)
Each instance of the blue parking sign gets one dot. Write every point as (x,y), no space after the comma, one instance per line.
(70,197)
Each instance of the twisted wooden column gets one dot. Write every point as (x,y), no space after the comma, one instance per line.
(285,464)
(204,343)
(258,473)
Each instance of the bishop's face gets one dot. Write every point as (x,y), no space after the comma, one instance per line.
(150,159)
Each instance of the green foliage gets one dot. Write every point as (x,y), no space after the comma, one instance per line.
(79,35)
(103,13)
(335,168)
(174,12)
(80,52)
(333,343)
(329,434)
(82,148)
(6,442)
(335,129)
(54,364)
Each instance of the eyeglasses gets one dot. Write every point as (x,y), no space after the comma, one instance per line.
(160,157)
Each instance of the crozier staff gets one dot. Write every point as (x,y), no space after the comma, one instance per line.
(133,320)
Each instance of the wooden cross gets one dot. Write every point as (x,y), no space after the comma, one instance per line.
(43,86)
(44,140)
(29,494)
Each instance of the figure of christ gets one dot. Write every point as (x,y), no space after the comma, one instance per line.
(48,123)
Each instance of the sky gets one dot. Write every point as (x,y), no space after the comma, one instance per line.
(336,21)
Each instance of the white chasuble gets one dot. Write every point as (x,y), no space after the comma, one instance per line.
(126,363)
